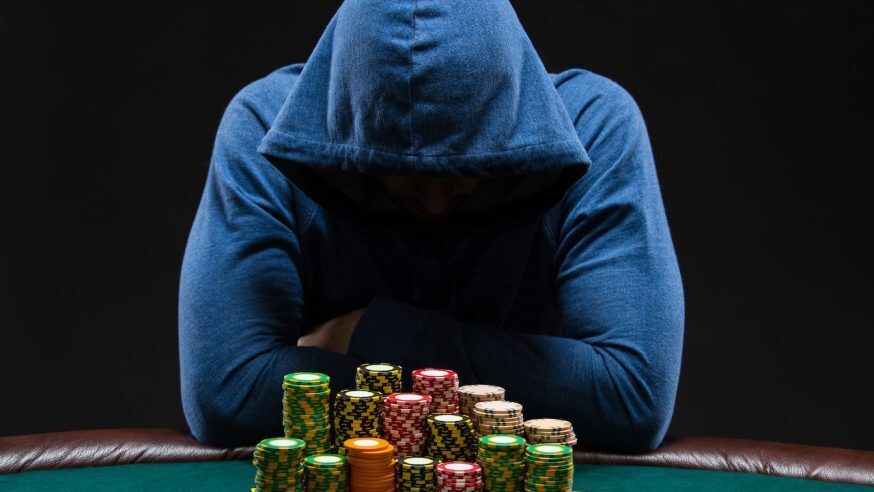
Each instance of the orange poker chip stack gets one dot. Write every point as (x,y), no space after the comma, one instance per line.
(371,464)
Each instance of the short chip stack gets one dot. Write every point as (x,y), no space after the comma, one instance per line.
(306,410)
(415,474)
(549,431)
(502,458)
(451,437)
(455,476)
(278,465)
(356,414)
(326,473)
(371,465)
(471,394)
(381,377)
(403,422)
(441,385)
(549,467)
(498,417)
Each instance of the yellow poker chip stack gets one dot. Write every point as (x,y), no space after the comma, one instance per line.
(415,473)
(278,465)
(471,394)
(306,410)
(451,437)
(379,377)
(498,417)
(356,414)
(539,431)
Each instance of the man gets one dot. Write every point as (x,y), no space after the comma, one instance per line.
(423,192)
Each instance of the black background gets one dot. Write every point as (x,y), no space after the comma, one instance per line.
(759,116)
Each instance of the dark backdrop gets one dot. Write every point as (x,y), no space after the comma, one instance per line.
(760,122)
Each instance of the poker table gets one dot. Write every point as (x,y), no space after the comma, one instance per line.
(167,459)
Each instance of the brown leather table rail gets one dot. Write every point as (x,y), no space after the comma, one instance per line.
(126,446)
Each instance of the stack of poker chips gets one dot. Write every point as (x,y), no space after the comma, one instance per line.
(403,422)
(471,394)
(549,467)
(278,465)
(498,417)
(356,414)
(502,458)
(306,410)
(459,476)
(326,473)
(539,431)
(451,437)
(441,385)
(380,378)
(415,473)
(371,465)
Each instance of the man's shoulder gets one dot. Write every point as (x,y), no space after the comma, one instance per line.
(264,96)
(590,95)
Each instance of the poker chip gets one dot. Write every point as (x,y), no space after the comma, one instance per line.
(549,467)
(326,473)
(379,377)
(502,458)
(371,464)
(356,414)
(278,464)
(441,385)
(498,417)
(451,437)
(403,422)
(415,473)
(306,410)
(451,476)
(471,394)
(539,431)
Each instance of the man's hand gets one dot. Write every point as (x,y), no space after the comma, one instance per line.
(333,335)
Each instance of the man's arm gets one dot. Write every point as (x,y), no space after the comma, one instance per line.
(614,372)
(241,296)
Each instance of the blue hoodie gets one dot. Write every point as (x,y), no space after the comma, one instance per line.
(556,279)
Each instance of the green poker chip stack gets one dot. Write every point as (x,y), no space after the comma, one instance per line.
(326,473)
(502,458)
(451,437)
(549,467)
(415,473)
(278,465)
(306,410)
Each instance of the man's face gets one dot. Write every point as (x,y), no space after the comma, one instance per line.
(429,198)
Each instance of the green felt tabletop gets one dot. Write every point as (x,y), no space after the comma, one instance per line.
(236,476)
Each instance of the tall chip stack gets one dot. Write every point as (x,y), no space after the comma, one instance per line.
(471,394)
(539,431)
(415,473)
(326,473)
(371,465)
(278,465)
(498,417)
(451,437)
(502,458)
(356,414)
(549,467)
(381,377)
(441,385)
(459,476)
(403,422)
(306,410)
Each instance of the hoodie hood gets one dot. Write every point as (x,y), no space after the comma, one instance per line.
(431,88)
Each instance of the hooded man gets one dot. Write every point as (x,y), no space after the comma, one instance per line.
(423,192)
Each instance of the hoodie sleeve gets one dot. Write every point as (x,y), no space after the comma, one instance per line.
(241,296)
(614,372)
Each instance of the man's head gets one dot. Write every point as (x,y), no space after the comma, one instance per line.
(428,198)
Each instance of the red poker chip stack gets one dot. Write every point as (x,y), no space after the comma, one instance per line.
(459,476)
(441,385)
(403,422)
